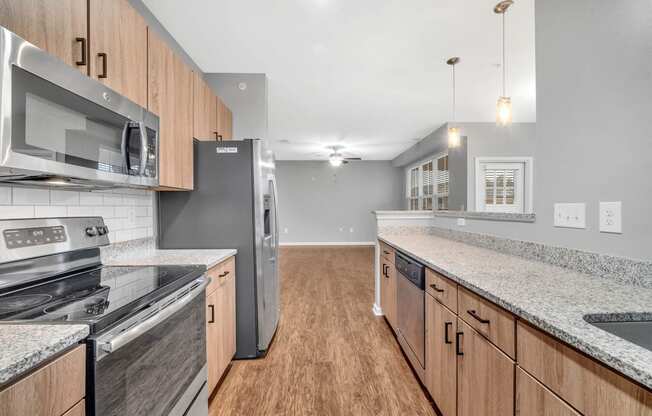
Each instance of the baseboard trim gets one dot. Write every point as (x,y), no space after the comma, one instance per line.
(377,311)
(329,243)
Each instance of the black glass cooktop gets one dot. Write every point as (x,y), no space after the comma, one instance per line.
(98,297)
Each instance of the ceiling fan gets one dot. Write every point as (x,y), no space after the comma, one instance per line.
(336,158)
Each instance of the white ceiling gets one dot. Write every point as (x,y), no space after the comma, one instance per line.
(367,74)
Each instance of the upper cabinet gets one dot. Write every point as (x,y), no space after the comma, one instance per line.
(57,26)
(205,104)
(118,47)
(170,86)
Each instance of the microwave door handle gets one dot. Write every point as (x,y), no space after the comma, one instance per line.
(125,146)
(143,148)
(124,338)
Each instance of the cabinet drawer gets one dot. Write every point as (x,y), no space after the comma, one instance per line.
(442,289)
(534,399)
(387,252)
(78,410)
(220,273)
(498,325)
(50,390)
(587,385)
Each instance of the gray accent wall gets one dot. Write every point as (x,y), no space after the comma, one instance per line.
(320,203)
(249,106)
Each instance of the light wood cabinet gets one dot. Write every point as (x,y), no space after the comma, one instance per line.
(534,399)
(485,376)
(50,390)
(441,361)
(388,291)
(56,26)
(78,410)
(387,252)
(588,386)
(495,323)
(118,48)
(220,318)
(442,289)
(170,97)
(205,110)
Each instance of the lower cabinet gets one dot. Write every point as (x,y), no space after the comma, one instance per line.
(485,384)
(220,320)
(388,291)
(441,361)
(534,399)
(56,389)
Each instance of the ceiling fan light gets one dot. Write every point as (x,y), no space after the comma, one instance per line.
(335,159)
(504,111)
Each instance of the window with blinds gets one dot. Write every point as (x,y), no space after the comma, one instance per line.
(501,187)
(428,184)
(443,182)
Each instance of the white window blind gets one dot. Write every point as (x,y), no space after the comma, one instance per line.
(501,187)
(414,189)
(427,185)
(443,182)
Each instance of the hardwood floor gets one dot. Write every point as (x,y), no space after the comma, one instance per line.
(331,355)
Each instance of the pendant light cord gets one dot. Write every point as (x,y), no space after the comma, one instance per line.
(504,94)
(454,115)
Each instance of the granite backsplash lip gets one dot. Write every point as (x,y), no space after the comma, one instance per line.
(487,216)
(552,298)
(26,345)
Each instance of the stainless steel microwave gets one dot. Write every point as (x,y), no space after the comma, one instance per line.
(60,127)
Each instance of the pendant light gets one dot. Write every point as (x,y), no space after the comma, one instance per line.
(453,131)
(504,106)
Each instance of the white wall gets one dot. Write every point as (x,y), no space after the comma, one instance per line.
(317,200)
(127,212)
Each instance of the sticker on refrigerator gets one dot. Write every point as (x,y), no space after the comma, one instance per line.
(226,150)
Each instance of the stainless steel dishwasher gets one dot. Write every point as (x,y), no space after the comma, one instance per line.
(411,304)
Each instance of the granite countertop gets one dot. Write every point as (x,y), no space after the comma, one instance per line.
(551,298)
(155,257)
(24,346)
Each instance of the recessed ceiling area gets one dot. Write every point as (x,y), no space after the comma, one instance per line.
(369,75)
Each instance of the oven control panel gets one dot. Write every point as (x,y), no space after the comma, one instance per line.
(28,237)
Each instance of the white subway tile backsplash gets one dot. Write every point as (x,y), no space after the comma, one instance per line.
(16,211)
(88,198)
(5,195)
(58,197)
(46,211)
(30,196)
(127,212)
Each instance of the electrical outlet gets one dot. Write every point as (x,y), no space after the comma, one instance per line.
(570,215)
(341,229)
(461,222)
(611,217)
(285,230)
(351,229)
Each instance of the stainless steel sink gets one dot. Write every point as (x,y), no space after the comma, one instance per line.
(637,332)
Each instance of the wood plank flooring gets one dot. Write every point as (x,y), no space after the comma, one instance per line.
(331,355)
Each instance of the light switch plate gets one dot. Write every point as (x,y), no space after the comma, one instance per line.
(611,217)
(570,215)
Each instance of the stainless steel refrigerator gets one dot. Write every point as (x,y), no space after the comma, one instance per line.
(233,205)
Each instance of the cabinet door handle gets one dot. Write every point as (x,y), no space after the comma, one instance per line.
(477,317)
(224,274)
(436,289)
(446,326)
(386,252)
(82,62)
(217,135)
(212,308)
(104,58)
(386,270)
(458,345)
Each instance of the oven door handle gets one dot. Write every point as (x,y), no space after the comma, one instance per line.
(151,321)
(125,147)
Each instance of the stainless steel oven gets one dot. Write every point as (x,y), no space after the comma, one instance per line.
(60,127)
(410,302)
(153,364)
